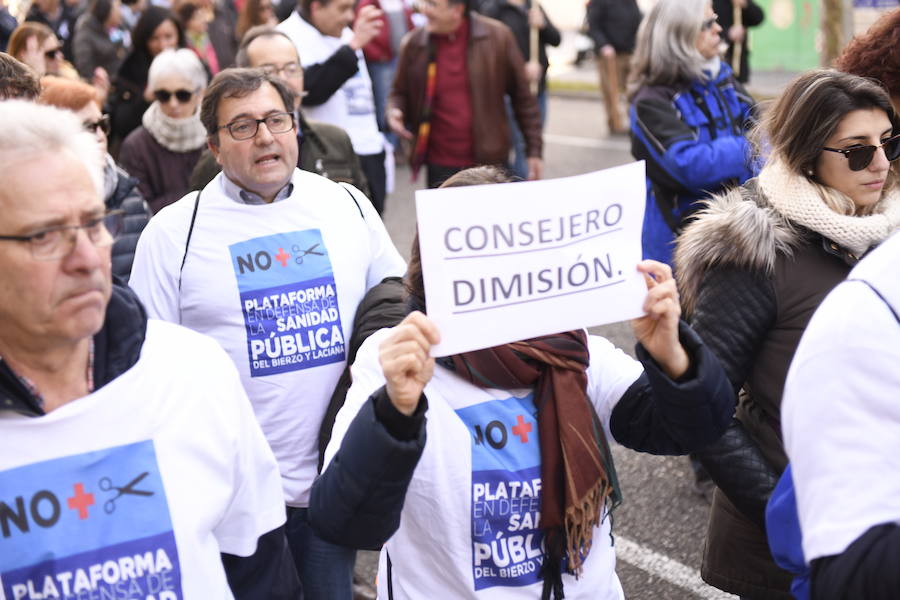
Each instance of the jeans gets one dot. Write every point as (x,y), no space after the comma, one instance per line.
(519,166)
(326,570)
(382,75)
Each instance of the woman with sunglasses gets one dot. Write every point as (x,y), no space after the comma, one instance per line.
(157,29)
(120,191)
(689,117)
(754,265)
(164,150)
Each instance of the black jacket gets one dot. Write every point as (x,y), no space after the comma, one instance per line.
(751,16)
(125,196)
(269,573)
(358,500)
(613,22)
(517,20)
(63,25)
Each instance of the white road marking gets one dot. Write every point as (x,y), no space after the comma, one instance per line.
(667,569)
(621,144)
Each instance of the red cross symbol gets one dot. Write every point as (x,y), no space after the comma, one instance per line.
(81,501)
(282,257)
(522,429)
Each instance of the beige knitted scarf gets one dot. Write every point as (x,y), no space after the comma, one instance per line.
(177,135)
(799,200)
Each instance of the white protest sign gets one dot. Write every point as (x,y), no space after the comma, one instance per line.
(503,263)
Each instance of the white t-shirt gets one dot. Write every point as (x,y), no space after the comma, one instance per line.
(470,522)
(133,491)
(277,285)
(841,410)
(352,107)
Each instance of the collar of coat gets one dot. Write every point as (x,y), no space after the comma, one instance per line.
(479,27)
(117,347)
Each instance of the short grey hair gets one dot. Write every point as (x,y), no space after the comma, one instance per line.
(242,58)
(666,51)
(35,130)
(179,63)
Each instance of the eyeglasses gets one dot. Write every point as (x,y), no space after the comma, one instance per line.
(244,129)
(707,24)
(53,54)
(859,157)
(182,95)
(287,70)
(102,124)
(57,242)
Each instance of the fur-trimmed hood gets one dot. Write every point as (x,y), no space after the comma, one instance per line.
(737,228)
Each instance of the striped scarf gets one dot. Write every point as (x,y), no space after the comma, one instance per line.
(577,475)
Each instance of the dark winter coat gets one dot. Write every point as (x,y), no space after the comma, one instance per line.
(358,500)
(751,16)
(613,22)
(516,19)
(693,138)
(163,174)
(126,197)
(750,281)
(93,48)
(63,25)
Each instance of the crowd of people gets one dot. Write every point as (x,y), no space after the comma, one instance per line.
(216,376)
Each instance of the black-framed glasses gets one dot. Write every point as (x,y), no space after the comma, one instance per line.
(860,157)
(707,24)
(285,71)
(54,53)
(102,124)
(182,95)
(244,129)
(56,242)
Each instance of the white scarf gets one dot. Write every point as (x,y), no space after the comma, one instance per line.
(795,197)
(177,135)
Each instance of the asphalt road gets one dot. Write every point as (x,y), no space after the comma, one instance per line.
(660,526)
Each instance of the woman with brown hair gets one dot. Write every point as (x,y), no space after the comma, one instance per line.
(754,266)
(511,494)
(253,13)
(37,46)
(120,191)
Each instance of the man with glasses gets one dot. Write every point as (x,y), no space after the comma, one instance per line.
(324,149)
(272,262)
(91,391)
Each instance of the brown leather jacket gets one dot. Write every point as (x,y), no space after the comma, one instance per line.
(496,68)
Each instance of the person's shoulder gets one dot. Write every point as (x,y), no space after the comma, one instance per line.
(880,265)
(658,93)
(327,131)
(182,346)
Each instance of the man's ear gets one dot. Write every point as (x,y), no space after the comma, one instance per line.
(213,146)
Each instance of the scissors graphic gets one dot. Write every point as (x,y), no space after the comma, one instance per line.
(307,252)
(106,485)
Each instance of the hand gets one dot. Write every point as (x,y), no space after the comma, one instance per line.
(607,51)
(100,81)
(533,72)
(736,33)
(395,122)
(33,56)
(367,25)
(535,168)
(405,362)
(657,331)
(536,18)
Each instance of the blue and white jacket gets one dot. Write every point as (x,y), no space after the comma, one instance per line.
(693,138)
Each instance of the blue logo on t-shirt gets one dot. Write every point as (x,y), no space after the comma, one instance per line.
(289,301)
(506,492)
(94,525)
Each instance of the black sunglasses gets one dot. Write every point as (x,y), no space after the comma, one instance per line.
(102,124)
(182,95)
(54,53)
(860,157)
